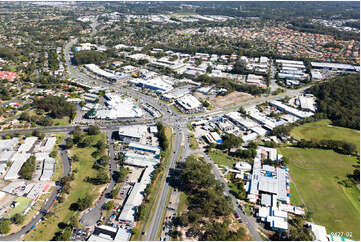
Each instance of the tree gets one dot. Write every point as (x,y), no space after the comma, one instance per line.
(84,203)
(74,221)
(5,226)
(93,130)
(231,141)
(53,154)
(69,143)
(109,205)
(18,218)
(27,170)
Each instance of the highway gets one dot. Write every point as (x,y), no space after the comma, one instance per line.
(155,220)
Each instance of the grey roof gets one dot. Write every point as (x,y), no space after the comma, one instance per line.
(266,200)
(268,184)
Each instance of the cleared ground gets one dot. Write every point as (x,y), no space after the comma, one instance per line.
(222,158)
(231,99)
(324,130)
(316,173)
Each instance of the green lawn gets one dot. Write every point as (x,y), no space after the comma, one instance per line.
(316,172)
(79,188)
(295,199)
(222,158)
(61,121)
(23,204)
(323,130)
(193,144)
(183,203)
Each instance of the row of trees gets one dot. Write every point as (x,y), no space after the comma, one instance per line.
(162,137)
(339,146)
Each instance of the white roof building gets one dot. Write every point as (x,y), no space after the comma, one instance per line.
(243,166)
(18,161)
(288,109)
(133,132)
(28,144)
(8,144)
(319,232)
(5,156)
(189,102)
(238,120)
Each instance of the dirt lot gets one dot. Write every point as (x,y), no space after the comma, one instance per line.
(231,99)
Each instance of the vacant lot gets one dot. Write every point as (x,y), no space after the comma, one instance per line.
(79,189)
(316,173)
(222,158)
(323,130)
(231,99)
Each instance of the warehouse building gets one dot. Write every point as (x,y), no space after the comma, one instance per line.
(333,66)
(189,104)
(290,110)
(108,233)
(143,147)
(28,144)
(8,144)
(132,133)
(101,73)
(157,85)
(18,161)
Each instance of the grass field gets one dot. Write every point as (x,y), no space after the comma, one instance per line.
(23,204)
(61,121)
(316,173)
(193,142)
(79,189)
(323,130)
(295,199)
(221,158)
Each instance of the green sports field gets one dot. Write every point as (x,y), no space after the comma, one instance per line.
(324,130)
(316,173)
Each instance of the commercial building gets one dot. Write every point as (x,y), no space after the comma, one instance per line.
(116,107)
(8,144)
(157,85)
(333,66)
(108,233)
(189,104)
(143,147)
(47,146)
(176,93)
(48,169)
(307,103)
(132,133)
(134,200)
(290,110)
(28,144)
(240,121)
(6,156)
(101,73)
(265,121)
(18,161)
